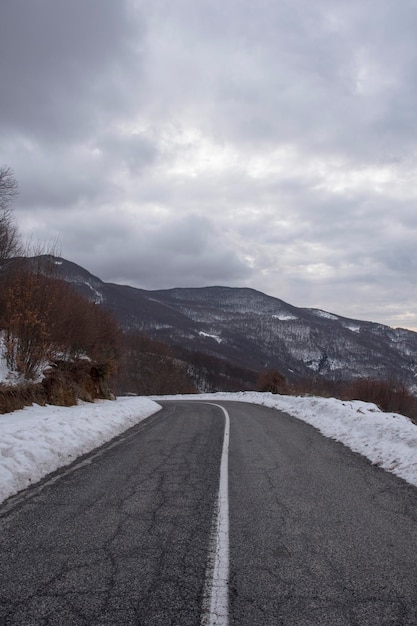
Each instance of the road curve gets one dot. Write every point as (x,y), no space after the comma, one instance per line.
(316,535)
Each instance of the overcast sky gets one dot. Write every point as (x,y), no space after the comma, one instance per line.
(176,143)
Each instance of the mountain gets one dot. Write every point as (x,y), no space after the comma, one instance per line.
(254,330)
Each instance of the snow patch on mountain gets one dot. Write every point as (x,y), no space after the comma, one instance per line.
(353,327)
(284,317)
(325,314)
(257,330)
(215,337)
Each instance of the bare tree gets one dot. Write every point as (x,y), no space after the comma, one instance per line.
(8,187)
(10,244)
(44,319)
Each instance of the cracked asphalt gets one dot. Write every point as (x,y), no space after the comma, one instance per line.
(317,535)
(123,539)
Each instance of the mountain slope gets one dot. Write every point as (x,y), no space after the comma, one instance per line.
(255,330)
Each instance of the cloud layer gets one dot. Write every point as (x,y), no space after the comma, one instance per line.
(270,145)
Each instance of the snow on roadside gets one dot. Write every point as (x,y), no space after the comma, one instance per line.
(38,440)
(388,440)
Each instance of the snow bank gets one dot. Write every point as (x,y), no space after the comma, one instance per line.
(38,440)
(386,439)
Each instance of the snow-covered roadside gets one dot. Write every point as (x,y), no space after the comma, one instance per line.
(38,440)
(386,439)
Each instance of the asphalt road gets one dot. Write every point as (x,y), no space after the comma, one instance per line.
(317,536)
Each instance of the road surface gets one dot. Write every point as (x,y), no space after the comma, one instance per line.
(127,535)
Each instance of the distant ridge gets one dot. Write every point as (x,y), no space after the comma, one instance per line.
(254,330)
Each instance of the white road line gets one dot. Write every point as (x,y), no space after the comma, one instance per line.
(216,606)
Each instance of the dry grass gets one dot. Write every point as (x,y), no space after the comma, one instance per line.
(17,397)
(64,384)
(391,396)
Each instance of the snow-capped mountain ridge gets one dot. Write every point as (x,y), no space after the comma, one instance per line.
(255,330)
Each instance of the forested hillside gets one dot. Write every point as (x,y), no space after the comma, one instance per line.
(254,331)
(65,334)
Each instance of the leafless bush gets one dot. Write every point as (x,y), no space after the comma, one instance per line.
(63,384)
(389,395)
(27,323)
(273,381)
(210,373)
(43,318)
(151,368)
(318,386)
(16,397)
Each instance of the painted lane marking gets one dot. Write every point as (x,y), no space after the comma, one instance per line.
(216,594)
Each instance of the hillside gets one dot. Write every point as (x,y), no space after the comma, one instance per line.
(254,330)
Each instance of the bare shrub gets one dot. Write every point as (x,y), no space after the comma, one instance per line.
(63,384)
(389,395)
(319,386)
(151,367)
(45,319)
(27,323)
(273,381)
(16,397)
(210,373)
(83,328)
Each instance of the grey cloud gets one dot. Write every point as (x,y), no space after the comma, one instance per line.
(64,65)
(73,176)
(136,152)
(287,72)
(80,173)
(187,252)
(144,133)
(147,251)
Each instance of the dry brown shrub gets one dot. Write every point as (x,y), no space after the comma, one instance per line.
(152,368)
(43,317)
(391,396)
(272,381)
(63,385)
(13,398)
